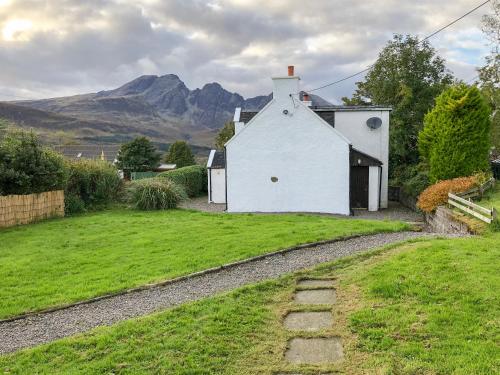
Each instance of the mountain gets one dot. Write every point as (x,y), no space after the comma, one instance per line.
(160,107)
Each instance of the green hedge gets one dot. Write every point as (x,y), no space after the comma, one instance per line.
(142,175)
(92,184)
(155,194)
(27,167)
(193,179)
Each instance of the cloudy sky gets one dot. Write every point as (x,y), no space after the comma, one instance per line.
(63,47)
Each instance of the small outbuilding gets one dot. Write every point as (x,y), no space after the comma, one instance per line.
(216,171)
(292,156)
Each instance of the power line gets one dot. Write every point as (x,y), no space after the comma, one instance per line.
(423,40)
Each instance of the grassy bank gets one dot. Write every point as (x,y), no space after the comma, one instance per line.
(66,260)
(420,308)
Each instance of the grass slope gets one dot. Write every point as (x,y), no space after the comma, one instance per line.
(421,308)
(66,260)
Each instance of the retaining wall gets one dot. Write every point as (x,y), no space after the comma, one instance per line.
(443,221)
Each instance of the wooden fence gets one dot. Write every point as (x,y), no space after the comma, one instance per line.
(478,192)
(24,209)
(479,212)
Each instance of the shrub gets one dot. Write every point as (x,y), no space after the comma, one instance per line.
(73,204)
(416,181)
(437,194)
(455,140)
(92,184)
(27,167)
(193,179)
(155,194)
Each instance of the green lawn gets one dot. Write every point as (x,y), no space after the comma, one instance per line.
(427,307)
(66,260)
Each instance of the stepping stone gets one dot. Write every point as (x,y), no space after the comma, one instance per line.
(314,350)
(308,320)
(315,296)
(312,283)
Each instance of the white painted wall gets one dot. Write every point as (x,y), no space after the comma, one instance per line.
(373,188)
(372,142)
(238,126)
(309,158)
(217,186)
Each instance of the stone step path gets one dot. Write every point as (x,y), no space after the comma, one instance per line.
(313,350)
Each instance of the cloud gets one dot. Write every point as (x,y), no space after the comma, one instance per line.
(62,47)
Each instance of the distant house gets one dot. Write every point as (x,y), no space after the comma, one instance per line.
(293,157)
(165,167)
(89,151)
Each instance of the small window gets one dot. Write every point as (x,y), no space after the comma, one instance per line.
(274,179)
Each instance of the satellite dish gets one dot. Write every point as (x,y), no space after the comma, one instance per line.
(374,122)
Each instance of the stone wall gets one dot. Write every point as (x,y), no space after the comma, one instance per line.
(407,200)
(443,221)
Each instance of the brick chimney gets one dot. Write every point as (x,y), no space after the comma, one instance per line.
(306,99)
(284,86)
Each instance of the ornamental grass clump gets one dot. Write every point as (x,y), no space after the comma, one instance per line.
(437,194)
(155,194)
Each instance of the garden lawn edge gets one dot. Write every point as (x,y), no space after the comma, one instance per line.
(190,276)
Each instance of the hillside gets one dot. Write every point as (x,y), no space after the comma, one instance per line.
(160,107)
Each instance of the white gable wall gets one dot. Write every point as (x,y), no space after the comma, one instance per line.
(372,142)
(308,157)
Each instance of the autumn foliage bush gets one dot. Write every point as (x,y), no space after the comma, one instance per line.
(437,194)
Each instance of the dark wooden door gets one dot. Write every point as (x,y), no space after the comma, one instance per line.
(359,187)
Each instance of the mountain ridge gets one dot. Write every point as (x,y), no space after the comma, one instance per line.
(161,107)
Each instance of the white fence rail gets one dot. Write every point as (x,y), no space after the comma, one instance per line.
(479,212)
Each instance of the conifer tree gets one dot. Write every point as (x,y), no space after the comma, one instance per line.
(455,140)
(180,154)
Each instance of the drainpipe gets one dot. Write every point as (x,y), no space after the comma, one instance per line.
(225,172)
(379,186)
(351,212)
(210,200)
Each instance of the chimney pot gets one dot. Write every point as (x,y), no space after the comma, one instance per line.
(291,70)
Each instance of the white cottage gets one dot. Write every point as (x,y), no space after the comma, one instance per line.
(294,157)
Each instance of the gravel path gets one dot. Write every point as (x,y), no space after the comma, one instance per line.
(201,204)
(45,327)
(395,211)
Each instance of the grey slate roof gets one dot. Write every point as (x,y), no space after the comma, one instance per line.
(328,116)
(246,116)
(88,151)
(360,159)
(219,161)
(327,113)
